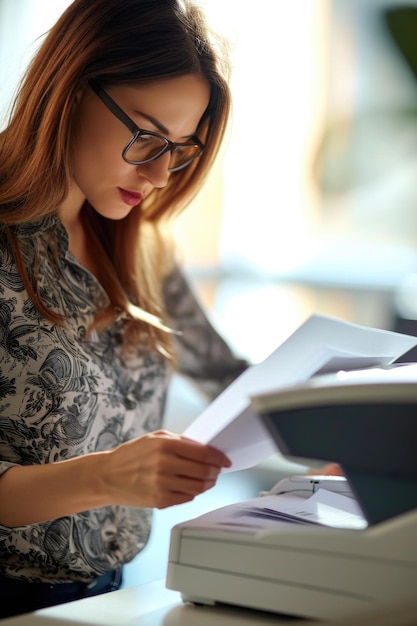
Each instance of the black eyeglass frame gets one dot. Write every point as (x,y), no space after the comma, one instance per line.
(170,146)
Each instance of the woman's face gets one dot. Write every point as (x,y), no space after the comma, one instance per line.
(172,108)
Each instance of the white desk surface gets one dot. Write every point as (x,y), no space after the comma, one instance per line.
(152,604)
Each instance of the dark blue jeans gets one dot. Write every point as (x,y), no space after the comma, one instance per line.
(18,596)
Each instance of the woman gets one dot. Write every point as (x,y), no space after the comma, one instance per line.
(115,127)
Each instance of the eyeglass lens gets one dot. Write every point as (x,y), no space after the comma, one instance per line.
(147,147)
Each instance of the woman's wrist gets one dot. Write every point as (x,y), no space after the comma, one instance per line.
(37,493)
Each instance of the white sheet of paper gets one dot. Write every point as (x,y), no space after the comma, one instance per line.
(325,508)
(321,345)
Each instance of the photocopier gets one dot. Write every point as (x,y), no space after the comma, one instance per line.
(318,547)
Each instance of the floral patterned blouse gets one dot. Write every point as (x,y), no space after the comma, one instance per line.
(64,393)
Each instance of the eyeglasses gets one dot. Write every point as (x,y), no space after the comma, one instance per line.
(146,146)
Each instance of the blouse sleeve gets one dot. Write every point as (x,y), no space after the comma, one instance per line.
(4,466)
(203,355)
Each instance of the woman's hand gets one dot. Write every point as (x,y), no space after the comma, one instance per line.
(330,469)
(156,470)
(160,469)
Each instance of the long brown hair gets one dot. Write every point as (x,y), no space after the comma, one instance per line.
(116,42)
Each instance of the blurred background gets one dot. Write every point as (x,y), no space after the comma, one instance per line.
(312,205)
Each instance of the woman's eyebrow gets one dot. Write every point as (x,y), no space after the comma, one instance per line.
(163,129)
(153,121)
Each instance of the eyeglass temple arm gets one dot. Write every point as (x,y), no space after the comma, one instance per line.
(113,106)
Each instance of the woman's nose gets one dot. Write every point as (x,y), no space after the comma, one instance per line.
(156,171)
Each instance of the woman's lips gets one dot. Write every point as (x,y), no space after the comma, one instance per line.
(132,198)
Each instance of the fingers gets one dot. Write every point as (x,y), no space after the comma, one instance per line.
(184,448)
(330,469)
(161,469)
(186,467)
(168,491)
(194,450)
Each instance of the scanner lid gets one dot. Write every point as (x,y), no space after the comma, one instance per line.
(366,421)
(390,383)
